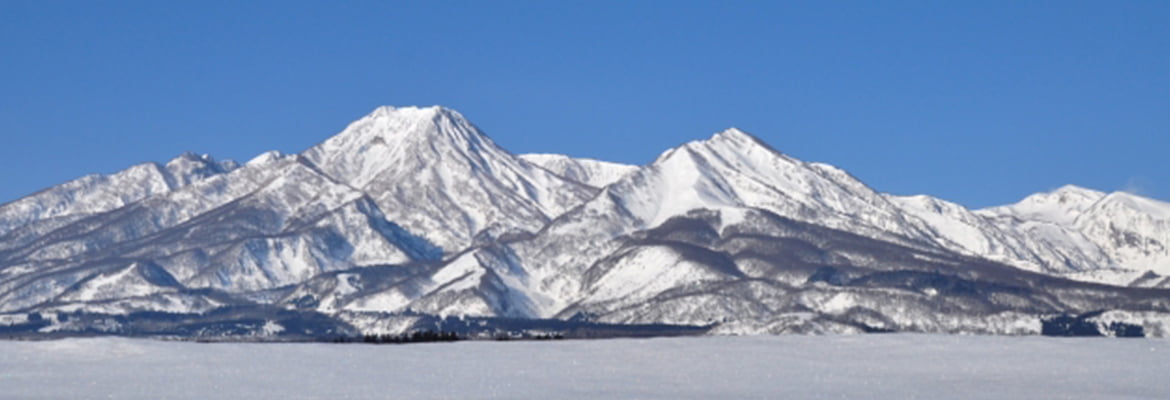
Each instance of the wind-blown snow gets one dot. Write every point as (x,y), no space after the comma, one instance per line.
(798,367)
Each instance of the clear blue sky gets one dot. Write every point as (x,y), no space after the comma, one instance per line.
(979,103)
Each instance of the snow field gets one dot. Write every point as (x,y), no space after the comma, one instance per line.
(897,366)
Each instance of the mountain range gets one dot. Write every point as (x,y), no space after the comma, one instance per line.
(412,218)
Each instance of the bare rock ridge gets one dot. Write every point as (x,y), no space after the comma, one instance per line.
(412,216)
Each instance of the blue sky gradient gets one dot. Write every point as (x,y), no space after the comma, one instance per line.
(980,103)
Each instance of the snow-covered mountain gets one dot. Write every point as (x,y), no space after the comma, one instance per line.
(1053,249)
(58,205)
(410,215)
(435,173)
(1073,232)
(731,172)
(1130,233)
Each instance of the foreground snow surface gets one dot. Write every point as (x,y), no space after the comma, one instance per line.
(864,366)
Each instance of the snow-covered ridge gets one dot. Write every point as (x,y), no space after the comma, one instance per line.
(1071,231)
(1061,206)
(99,193)
(592,172)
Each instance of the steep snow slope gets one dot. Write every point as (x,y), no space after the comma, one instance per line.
(433,172)
(136,280)
(591,172)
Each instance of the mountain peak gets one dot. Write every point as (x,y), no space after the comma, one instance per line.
(735,136)
(265,158)
(732,133)
(190,167)
(389,123)
(412,113)
(426,112)
(737,140)
(1074,190)
(389,136)
(191,156)
(731,140)
(1068,195)
(437,174)
(1061,206)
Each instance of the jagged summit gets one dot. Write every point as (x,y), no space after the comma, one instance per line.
(205,159)
(737,137)
(191,156)
(728,140)
(265,158)
(189,167)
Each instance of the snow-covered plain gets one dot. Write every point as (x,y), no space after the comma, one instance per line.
(896,366)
